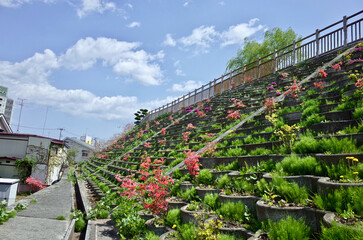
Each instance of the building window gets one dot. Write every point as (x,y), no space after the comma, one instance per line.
(84,153)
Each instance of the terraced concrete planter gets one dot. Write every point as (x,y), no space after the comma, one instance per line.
(168,235)
(253,160)
(217,174)
(312,217)
(184,171)
(158,230)
(190,216)
(335,158)
(339,115)
(324,184)
(175,204)
(186,185)
(249,200)
(237,232)
(204,191)
(308,181)
(332,127)
(145,216)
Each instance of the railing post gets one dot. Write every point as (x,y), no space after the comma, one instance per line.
(275,58)
(195,96)
(345,31)
(317,44)
(293,52)
(210,89)
(258,68)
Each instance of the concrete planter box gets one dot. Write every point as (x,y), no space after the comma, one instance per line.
(253,160)
(204,191)
(145,216)
(8,189)
(167,235)
(186,185)
(335,158)
(249,200)
(308,181)
(158,230)
(241,232)
(175,204)
(190,216)
(312,217)
(217,174)
(324,185)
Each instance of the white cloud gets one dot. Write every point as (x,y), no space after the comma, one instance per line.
(186,3)
(237,33)
(30,78)
(134,24)
(201,37)
(18,3)
(126,61)
(222,3)
(169,41)
(89,6)
(186,86)
(129,5)
(178,70)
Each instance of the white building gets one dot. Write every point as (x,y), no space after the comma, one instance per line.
(6,104)
(82,149)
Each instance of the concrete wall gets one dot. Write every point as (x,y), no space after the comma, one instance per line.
(13,147)
(8,170)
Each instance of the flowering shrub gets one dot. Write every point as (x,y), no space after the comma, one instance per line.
(201,114)
(269,104)
(103,156)
(171,118)
(210,150)
(233,115)
(156,123)
(354,60)
(238,103)
(207,100)
(190,126)
(176,121)
(337,66)
(207,108)
(319,86)
(270,88)
(293,89)
(322,73)
(247,79)
(284,75)
(185,136)
(233,85)
(357,78)
(192,163)
(147,145)
(162,142)
(163,130)
(126,157)
(208,137)
(34,183)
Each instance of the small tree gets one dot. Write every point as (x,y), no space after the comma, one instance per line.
(252,50)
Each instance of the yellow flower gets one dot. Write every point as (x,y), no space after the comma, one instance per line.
(174,226)
(355,160)
(355,173)
(341,176)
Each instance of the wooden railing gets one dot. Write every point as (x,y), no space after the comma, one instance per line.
(321,42)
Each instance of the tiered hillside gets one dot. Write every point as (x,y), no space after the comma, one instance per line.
(278,174)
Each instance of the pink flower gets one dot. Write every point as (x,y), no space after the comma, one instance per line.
(233,115)
(322,73)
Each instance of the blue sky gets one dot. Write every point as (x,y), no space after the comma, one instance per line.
(93,63)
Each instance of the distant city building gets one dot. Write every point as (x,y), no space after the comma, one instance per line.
(87,139)
(6,104)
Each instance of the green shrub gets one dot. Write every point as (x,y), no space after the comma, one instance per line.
(177,174)
(312,119)
(212,200)
(188,231)
(310,111)
(232,166)
(243,186)
(232,152)
(306,145)
(334,146)
(294,165)
(358,113)
(288,229)
(173,218)
(342,232)
(260,151)
(189,195)
(205,177)
(290,191)
(227,237)
(223,182)
(234,212)
(61,217)
(341,200)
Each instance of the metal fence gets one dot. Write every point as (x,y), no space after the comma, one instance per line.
(323,41)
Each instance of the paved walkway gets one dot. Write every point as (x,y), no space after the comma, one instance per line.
(39,220)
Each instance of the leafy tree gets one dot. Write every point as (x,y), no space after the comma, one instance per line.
(252,50)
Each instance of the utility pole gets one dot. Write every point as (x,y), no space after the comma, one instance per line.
(60,132)
(45,120)
(21,108)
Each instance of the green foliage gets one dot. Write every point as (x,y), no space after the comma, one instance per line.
(24,167)
(231,152)
(4,214)
(310,110)
(312,119)
(342,232)
(20,207)
(358,113)
(244,186)
(294,165)
(189,195)
(79,218)
(61,217)
(234,212)
(334,145)
(274,39)
(139,115)
(205,177)
(288,229)
(188,231)
(177,174)
(250,140)
(260,151)
(173,218)
(212,200)
(232,166)
(340,200)
(227,237)
(223,181)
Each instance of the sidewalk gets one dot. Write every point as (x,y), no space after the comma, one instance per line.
(39,221)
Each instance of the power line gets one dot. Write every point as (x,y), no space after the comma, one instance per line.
(35,127)
(60,132)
